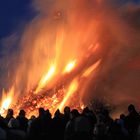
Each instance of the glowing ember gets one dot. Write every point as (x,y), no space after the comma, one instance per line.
(72,88)
(32,102)
(69,67)
(45,79)
(82,106)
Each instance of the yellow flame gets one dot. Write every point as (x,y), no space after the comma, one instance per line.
(91,68)
(72,88)
(6,100)
(82,106)
(45,78)
(70,66)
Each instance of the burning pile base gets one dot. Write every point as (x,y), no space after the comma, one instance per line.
(50,99)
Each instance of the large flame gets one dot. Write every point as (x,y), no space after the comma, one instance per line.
(63,53)
(66,46)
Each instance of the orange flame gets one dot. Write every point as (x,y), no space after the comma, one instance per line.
(91,69)
(82,106)
(6,100)
(72,88)
(70,66)
(45,78)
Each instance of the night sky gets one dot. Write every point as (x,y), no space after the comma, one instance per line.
(14,14)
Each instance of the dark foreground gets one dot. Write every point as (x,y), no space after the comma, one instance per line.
(71,125)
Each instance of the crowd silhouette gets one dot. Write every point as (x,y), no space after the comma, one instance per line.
(71,125)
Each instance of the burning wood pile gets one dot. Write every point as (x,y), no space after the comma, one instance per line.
(54,98)
(32,102)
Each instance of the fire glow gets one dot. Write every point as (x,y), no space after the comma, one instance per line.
(6,100)
(70,66)
(72,88)
(59,99)
(65,43)
(45,79)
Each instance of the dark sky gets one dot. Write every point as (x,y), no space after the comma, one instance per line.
(13,14)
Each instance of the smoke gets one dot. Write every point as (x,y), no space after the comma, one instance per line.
(64,30)
(119,37)
(8,60)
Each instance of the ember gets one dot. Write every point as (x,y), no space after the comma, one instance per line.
(32,102)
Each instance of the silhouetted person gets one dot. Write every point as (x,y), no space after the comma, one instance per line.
(58,125)
(108,121)
(104,125)
(23,121)
(48,124)
(67,114)
(30,121)
(3,135)
(122,117)
(36,129)
(121,122)
(116,131)
(9,115)
(138,133)
(83,127)
(91,117)
(48,114)
(3,128)
(70,133)
(132,121)
(14,133)
(3,124)
(66,117)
